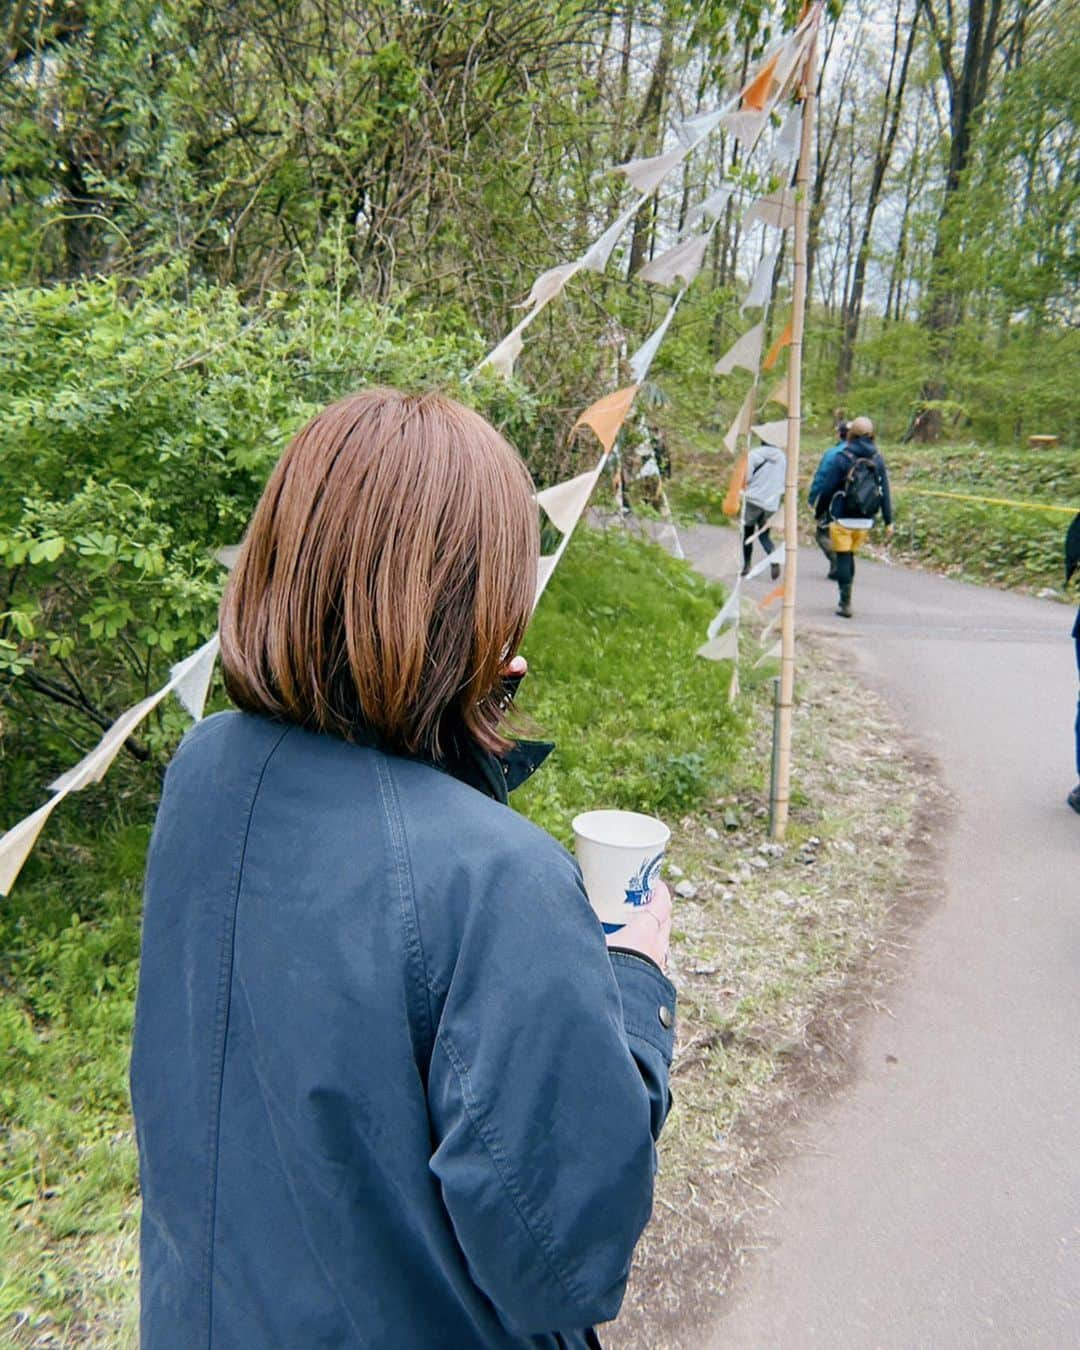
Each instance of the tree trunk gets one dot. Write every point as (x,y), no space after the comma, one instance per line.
(650,128)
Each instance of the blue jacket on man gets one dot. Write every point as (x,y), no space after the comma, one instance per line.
(833,471)
(821,474)
(391,1089)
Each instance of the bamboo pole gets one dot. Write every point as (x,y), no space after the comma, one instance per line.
(791,490)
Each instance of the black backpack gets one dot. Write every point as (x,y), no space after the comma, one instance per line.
(862,491)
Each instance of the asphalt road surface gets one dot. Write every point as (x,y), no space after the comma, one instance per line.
(935,1204)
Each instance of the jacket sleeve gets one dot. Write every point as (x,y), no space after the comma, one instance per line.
(547,1087)
(820,474)
(886,492)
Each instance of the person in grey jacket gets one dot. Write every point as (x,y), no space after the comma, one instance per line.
(392,1086)
(764,491)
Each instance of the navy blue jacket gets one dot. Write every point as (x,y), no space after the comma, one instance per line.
(821,476)
(833,472)
(390,1087)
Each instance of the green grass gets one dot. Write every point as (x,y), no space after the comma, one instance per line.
(639,722)
(999,545)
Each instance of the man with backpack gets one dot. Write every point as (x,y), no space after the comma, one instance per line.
(820,503)
(855,488)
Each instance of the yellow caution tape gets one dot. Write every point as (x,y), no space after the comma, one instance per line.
(902,490)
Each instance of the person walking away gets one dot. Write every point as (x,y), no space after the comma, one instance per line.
(856,487)
(392,1086)
(820,503)
(1072,567)
(764,491)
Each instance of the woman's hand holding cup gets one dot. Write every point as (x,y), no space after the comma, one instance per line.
(649,931)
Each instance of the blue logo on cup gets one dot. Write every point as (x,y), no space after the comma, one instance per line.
(640,885)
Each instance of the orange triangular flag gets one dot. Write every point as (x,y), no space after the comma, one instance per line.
(756,93)
(607,415)
(736,483)
(775,594)
(778,346)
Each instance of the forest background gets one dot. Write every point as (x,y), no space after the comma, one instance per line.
(216,217)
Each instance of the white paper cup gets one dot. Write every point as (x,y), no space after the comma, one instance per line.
(620,853)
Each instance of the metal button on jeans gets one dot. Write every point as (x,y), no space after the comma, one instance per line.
(667,1017)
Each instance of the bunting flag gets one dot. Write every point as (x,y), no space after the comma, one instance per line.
(545,565)
(775,558)
(778,393)
(189,679)
(741,425)
(746,127)
(646,175)
(681,260)
(227,556)
(712,207)
(694,129)
(564,502)
(607,415)
(729,610)
(16,844)
(784,340)
(746,352)
(756,94)
(733,687)
(736,483)
(777,210)
(548,284)
(773,654)
(770,627)
(722,648)
(775,594)
(772,433)
(761,286)
(785,146)
(502,357)
(595,258)
(649,468)
(642,359)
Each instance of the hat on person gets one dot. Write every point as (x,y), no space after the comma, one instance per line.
(860,426)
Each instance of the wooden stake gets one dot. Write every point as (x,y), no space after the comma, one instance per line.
(791,491)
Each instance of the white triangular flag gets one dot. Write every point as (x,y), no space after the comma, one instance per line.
(761,286)
(794,47)
(746,352)
(647,174)
(769,629)
(773,654)
(548,284)
(16,844)
(190,678)
(682,260)
(642,359)
(595,258)
(741,425)
(778,393)
(545,565)
(772,433)
(502,357)
(669,538)
(722,648)
(777,209)
(712,206)
(773,559)
(93,766)
(227,556)
(564,502)
(745,126)
(729,609)
(696,128)
(785,146)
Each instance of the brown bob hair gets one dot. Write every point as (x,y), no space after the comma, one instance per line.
(387,576)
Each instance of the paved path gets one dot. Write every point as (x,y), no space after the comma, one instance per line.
(935,1205)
